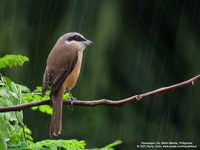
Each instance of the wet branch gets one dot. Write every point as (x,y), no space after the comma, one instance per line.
(117,103)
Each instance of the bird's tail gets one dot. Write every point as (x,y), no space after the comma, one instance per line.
(56,119)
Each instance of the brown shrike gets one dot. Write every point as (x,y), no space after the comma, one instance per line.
(61,73)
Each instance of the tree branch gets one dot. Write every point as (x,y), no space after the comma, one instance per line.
(117,103)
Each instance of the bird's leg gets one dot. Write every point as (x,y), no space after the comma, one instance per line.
(72,98)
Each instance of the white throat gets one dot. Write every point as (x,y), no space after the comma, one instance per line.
(78,44)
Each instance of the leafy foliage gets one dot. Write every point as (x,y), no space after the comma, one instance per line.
(13,133)
(35,96)
(10,60)
(108,147)
(50,144)
(12,128)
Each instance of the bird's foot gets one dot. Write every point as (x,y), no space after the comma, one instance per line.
(72,99)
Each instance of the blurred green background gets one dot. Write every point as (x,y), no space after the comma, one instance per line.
(139,46)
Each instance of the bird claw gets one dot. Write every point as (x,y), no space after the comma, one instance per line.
(72,101)
(72,98)
(138,97)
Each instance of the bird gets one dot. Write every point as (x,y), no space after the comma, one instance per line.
(61,73)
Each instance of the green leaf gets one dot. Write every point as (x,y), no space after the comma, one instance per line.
(19,146)
(3,93)
(56,144)
(19,115)
(46,109)
(66,96)
(13,87)
(7,81)
(11,60)
(24,88)
(38,89)
(11,116)
(4,131)
(3,144)
(2,118)
(28,97)
(37,97)
(108,147)
(34,108)
(115,143)
(27,130)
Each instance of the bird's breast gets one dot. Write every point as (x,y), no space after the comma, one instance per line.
(71,80)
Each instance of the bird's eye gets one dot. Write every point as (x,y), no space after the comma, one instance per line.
(76,38)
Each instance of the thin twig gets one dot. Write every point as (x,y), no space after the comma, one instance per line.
(117,103)
(22,125)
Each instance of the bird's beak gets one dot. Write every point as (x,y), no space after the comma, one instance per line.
(88,42)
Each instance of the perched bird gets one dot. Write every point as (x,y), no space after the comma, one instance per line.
(61,73)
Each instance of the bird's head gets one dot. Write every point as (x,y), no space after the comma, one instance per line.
(75,39)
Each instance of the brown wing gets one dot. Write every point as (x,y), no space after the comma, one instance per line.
(60,63)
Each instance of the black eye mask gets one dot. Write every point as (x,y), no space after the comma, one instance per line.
(76,38)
